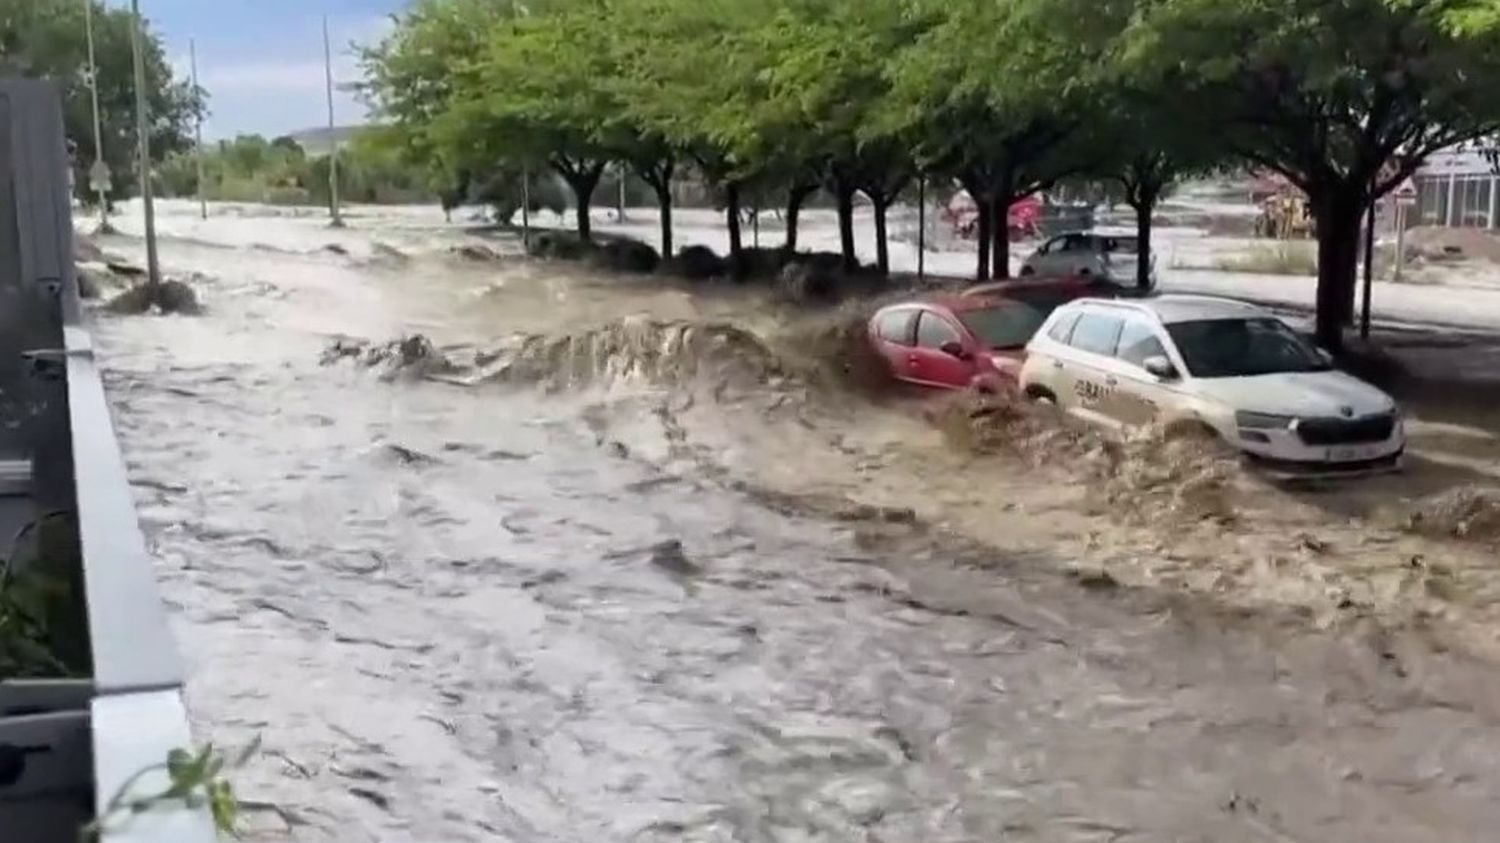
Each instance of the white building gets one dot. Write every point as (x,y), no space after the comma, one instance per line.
(1458,189)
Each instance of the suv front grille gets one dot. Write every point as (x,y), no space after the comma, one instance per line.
(1330,431)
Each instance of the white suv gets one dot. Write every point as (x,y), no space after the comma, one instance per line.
(1100,255)
(1217,366)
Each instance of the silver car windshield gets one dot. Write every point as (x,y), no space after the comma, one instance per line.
(1231,348)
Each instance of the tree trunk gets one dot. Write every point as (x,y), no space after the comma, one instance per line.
(1000,243)
(1338,218)
(986,232)
(882,246)
(664,202)
(795,198)
(582,182)
(732,212)
(1144,205)
(845,196)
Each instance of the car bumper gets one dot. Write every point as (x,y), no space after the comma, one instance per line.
(1292,470)
(1284,453)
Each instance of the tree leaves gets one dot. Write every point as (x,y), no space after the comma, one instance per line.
(45,38)
(196,779)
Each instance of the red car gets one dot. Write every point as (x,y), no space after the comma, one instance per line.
(974,340)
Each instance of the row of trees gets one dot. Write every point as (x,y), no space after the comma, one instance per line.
(45,38)
(1005,97)
(251,168)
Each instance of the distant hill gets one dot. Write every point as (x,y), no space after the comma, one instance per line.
(320,141)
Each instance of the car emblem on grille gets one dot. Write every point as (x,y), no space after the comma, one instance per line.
(1347,411)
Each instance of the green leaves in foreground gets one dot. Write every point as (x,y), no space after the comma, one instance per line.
(193,780)
(43,623)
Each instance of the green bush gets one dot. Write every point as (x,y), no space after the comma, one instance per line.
(1282,258)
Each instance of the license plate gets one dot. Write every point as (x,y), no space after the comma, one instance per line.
(1350,454)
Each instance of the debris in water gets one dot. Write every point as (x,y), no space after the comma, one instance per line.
(409,456)
(372,797)
(670,556)
(1095,579)
(1468,512)
(385,252)
(476,252)
(414,354)
(168,296)
(1313,544)
(122,268)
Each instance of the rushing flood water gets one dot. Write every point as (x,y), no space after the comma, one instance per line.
(465,614)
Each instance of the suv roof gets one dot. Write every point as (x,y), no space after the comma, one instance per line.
(1179,308)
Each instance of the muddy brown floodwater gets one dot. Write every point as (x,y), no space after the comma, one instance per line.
(530,608)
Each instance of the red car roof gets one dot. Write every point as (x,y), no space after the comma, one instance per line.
(1068,284)
(1000,293)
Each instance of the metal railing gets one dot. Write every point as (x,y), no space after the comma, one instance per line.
(78,741)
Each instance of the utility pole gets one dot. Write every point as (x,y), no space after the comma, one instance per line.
(197,129)
(143,144)
(99,172)
(333,154)
(1364,321)
(620,200)
(525,208)
(922,228)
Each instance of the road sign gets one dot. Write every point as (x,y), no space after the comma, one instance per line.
(1406,193)
(99,180)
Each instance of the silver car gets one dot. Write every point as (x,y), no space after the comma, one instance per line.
(1107,257)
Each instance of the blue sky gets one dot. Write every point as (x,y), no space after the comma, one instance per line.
(262,60)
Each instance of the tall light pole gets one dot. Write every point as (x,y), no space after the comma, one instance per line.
(143,143)
(98,175)
(620,199)
(197,129)
(333,154)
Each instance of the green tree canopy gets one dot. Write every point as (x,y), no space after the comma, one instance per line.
(46,38)
(1345,98)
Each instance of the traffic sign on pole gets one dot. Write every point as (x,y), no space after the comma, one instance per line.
(99,177)
(1406,193)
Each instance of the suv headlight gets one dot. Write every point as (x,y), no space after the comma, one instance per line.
(1262,421)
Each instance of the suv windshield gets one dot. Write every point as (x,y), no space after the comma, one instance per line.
(1011,324)
(1230,348)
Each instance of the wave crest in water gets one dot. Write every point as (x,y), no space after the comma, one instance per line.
(1151,472)
(632,349)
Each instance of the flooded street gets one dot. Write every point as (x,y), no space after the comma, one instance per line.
(504,612)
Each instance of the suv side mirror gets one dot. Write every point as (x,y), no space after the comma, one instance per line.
(1160,367)
(954,348)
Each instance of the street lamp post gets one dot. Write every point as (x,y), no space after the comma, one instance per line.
(98,179)
(197,129)
(333,154)
(143,143)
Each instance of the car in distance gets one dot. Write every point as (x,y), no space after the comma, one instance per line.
(968,340)
(1213,366)
(1109,258)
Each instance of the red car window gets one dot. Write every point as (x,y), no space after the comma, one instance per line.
(933,331)
(895,326)
(1007,324)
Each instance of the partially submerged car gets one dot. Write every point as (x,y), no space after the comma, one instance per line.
(971,340)
(1105,256)
(1217,367)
